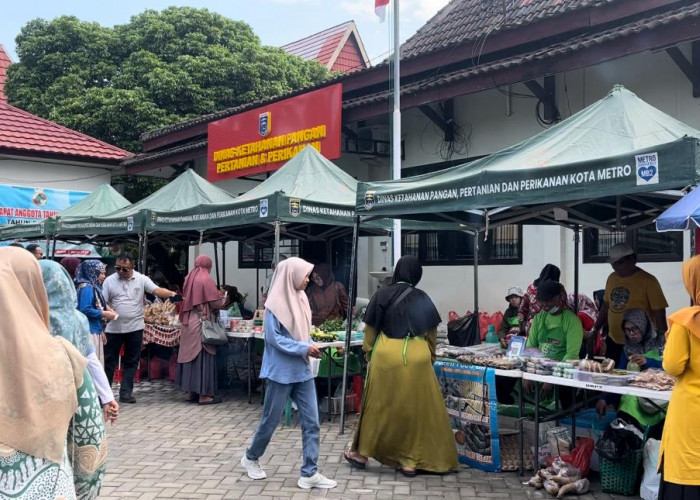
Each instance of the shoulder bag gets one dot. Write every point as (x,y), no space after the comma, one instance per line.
(213,333)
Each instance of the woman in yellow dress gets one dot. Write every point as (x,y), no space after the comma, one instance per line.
(679,458)
(404,422)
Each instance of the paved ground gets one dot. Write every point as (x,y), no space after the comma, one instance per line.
(163,447)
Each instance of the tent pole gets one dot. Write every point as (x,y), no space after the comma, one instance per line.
(140,251)
(223,261)
(216,263)
(48,245)
(53,248)
(277,243)
(577,244)
(352,291)
(144,255)
(476,274)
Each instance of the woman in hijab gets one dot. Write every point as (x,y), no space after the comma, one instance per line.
(71,265)
(286,367)
(196,373)
(643,346)
(530,305)
(39,386)
(404,422)
(87,444)
(679,458)
(89,278)
(327,297)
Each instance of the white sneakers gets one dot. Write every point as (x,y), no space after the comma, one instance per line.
(253,468)
(318,480)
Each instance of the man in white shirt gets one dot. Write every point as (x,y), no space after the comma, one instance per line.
(124,292)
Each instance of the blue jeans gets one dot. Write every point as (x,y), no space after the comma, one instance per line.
(304,395)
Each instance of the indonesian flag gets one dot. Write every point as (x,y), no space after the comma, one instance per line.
(380,9)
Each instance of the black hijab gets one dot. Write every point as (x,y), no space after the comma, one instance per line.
(326,274)
(550,272)
(414,315)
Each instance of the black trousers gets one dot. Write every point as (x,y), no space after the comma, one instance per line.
(130,361)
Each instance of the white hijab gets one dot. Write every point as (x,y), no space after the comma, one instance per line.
(287,299)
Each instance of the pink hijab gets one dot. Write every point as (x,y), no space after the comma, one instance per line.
(199,288)
(287,299)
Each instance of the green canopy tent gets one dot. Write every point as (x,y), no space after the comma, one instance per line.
(101,201)
(613,165)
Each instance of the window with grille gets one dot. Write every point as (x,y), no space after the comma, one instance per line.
(649,245)
(259,254)
(447,248)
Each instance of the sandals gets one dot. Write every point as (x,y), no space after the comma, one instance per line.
(407,472)
(213,401)
(355,464)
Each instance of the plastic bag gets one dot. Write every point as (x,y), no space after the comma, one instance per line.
(559,441)
(618,440)
(581,455)
(464,331)
(651,480)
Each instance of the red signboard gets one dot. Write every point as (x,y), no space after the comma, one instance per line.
(263,139)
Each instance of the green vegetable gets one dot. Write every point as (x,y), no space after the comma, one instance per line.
(333,325)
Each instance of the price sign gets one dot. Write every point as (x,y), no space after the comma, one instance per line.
(596,387)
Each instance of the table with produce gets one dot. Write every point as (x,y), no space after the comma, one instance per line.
(478,437)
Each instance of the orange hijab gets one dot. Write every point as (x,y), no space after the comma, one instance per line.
(39,374)
(287,299)
(689,317)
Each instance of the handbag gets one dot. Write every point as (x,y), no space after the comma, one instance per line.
(213,333)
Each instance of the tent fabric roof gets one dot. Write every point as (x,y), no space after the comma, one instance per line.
(103,200)
(678,216)
(616,146)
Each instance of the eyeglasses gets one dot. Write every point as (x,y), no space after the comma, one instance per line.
(122,269)
(634,329)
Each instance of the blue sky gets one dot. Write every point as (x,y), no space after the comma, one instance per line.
(276,22)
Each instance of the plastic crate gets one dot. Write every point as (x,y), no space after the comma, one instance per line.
(350,404)
(622,477)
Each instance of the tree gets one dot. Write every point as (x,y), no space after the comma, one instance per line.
(162,67)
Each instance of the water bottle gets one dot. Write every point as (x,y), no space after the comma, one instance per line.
(491,337)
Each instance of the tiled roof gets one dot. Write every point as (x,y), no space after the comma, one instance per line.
(326,45)
(551,51)
(146,157)
(27,133)
(4,64)
(461,21)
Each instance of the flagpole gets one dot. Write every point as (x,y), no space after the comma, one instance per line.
(396,127)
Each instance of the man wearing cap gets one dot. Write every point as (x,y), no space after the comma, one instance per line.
(628,287)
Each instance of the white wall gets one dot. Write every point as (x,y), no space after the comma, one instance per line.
(51,174)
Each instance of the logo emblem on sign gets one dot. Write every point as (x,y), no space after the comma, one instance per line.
(40,199)
(294,207)
(647,168)
(263,208)
(129,223)
(265,123)
(369,200)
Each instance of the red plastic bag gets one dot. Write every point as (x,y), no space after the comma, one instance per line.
(452,316)
(580,457)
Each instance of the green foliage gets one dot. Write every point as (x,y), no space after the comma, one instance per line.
(162,67)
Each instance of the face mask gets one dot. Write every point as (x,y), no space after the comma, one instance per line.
(554,310)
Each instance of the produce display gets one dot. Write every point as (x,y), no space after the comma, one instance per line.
(655,380)
(161,313)
(332,325)
(318,335)
(499,361)
(559,480)
(589,365)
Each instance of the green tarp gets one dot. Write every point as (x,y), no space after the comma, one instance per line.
(103,200)
(619,145)
(308,189)
(188,192)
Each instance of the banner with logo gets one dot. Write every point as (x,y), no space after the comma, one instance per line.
(470,398)
(485,183)
(263,139)
(23,205)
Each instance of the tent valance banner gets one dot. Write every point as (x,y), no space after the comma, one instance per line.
(619,145)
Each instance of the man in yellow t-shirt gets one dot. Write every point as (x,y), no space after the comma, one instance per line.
(628,287)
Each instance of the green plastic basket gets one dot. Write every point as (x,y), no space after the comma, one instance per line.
(621,478)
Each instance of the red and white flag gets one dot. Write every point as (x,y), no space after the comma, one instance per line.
(380,8)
